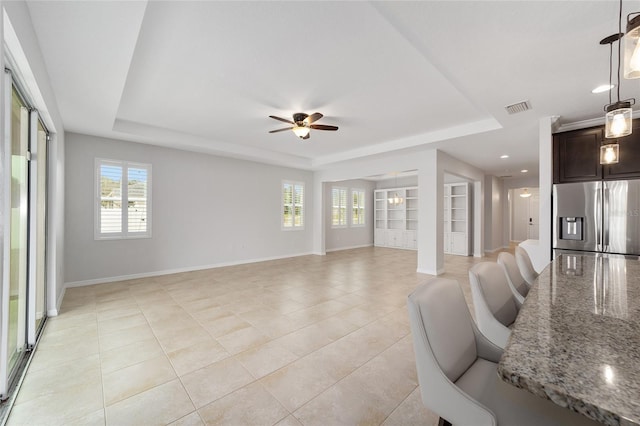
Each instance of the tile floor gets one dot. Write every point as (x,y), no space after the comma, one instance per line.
(313,340)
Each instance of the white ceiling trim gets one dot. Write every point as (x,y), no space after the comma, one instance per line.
(466,129)
(161,136)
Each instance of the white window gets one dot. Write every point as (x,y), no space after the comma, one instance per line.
(123,199)
(292,205)
(357,207)
(338,207)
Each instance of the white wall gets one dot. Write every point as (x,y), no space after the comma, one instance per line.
(397,183)
(207,211)
(349,237)
(23,44)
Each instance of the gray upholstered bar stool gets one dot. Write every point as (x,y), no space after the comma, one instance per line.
(519,287)
(457,366)
(495,306)
(526,266)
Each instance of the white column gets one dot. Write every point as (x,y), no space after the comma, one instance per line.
(318,216)
(546,186)
(431,215)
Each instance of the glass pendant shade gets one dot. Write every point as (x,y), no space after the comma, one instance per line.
(618,120)
(396,199)
(632,49)
(610,154)
(301,131)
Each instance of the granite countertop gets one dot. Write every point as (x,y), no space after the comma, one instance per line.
(576,340)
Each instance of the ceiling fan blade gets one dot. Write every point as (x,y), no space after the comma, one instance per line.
(313,117)
(308,136)
(280,130)
(281,119)
(323,127)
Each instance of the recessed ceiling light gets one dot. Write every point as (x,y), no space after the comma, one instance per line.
(524,171)
(504,156)
(603,88)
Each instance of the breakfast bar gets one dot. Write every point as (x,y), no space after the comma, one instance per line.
(576,340)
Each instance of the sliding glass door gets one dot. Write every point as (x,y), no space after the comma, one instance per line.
(38,228)
(19,195)
(23,216)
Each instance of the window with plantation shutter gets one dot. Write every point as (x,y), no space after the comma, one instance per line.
(292,205)
(357,207)
(123,200)
(338,207)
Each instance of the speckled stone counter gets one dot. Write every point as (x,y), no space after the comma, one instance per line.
(576,340)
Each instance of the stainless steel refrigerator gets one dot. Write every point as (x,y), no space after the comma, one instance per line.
(602,216)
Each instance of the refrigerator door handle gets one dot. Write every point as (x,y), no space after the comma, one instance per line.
(605,219)
(598,216)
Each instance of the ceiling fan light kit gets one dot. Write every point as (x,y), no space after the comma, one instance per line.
(302,124)
(301,131)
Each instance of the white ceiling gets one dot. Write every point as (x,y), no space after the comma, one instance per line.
(205,76)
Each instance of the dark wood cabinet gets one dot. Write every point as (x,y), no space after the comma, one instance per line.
(576,155)
(629,165)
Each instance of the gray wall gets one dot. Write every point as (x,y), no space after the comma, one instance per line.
(349,237)
(493,220)
(206,211)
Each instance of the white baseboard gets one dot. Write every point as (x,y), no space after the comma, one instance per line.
(430,272)
(175,271)
(319,253)
(54,312)
(349,248)
(496,249)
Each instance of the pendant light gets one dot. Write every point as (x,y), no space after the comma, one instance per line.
(618,114)
(609,152)
(396,199)
(525,193)
(632,47)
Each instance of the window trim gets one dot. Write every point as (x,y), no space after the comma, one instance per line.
(124,234)
(293,184)
(360,206)
(346,207)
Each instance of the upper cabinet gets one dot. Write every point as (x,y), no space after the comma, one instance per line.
(629,165)
(576,155)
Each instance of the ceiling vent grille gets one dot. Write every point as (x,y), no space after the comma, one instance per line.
(518,107)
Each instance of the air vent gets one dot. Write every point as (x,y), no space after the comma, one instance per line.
(505,176)
(518,107)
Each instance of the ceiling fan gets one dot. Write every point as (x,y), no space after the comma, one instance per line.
(302,124)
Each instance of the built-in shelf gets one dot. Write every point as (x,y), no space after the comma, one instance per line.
(456,219)
(396,224)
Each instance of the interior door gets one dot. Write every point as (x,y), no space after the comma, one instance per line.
(534,212)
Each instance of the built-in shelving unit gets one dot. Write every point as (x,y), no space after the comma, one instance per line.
(456,219)
(396,218)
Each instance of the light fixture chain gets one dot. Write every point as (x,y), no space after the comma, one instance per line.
(619,46)
(610,69)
